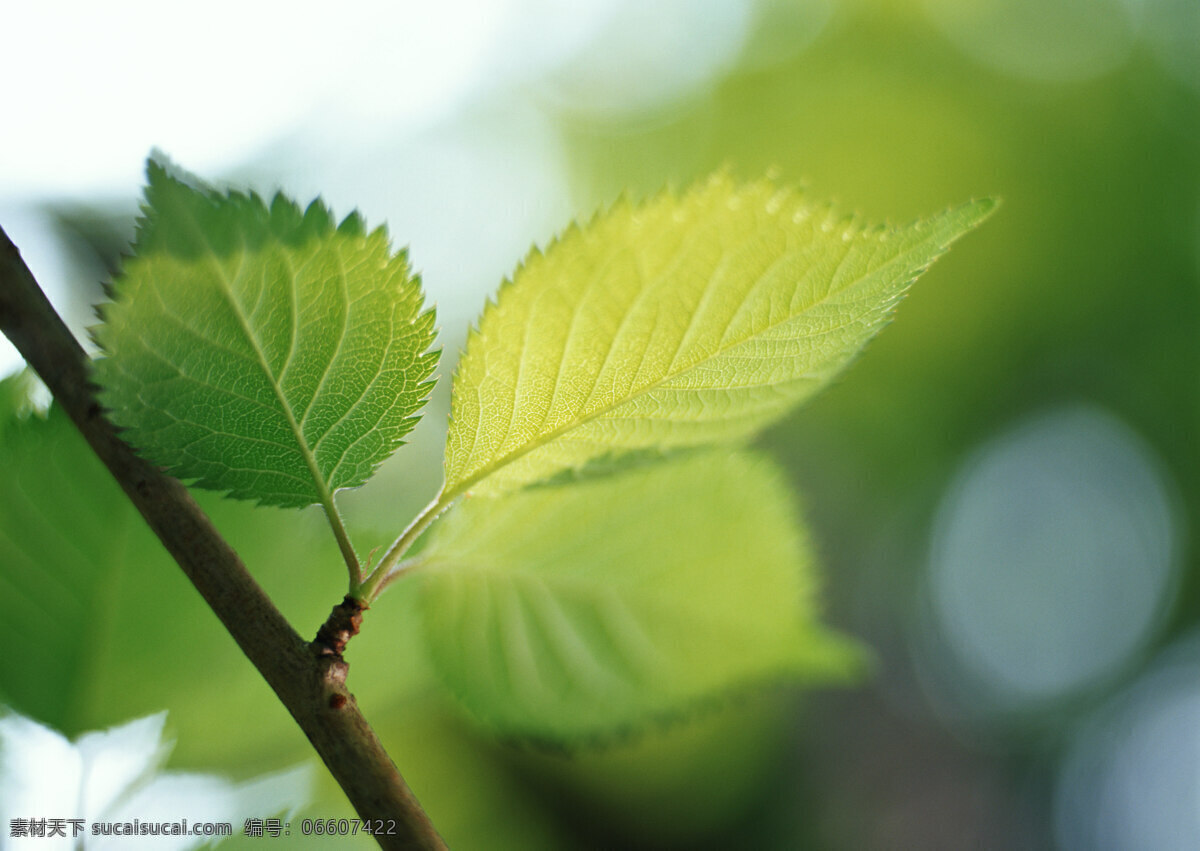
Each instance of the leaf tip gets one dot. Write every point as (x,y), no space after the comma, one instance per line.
(354,225)
(161,171)
(977,210)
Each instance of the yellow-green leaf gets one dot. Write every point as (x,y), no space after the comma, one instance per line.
(682,321)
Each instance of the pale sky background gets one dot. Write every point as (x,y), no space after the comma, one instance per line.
(434,117)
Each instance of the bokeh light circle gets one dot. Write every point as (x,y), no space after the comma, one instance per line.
(1131,778)
(1052,560)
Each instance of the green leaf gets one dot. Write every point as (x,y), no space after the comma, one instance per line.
(262,351)
(561,612)
(64,527)
(683,321)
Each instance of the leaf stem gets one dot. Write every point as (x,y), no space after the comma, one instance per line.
(396,571)
(378,580)
(343,539)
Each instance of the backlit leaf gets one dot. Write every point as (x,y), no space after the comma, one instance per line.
(262,351)
(679,322)
(583,608)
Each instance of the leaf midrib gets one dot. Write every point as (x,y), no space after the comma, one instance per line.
(226,289)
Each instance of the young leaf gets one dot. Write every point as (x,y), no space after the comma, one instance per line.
(558,612)
(683,321)
(262,351)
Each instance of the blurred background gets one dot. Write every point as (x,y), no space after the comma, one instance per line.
(1004,489)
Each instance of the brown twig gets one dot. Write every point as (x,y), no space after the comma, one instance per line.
(310,681)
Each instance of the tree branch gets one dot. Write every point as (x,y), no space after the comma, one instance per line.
(310,681)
